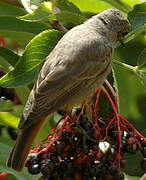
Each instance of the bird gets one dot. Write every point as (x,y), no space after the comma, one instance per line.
(73,71)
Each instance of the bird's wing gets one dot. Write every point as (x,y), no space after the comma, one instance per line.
(61,78)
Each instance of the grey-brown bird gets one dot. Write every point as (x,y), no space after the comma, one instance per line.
(73,71)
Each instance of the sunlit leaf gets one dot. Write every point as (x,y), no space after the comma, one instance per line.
(131,3)
(141,62)
(9,113)
(27,5)
(41,13)
(65,5)
(8,119)
(37,2)
(65,13)
(119,4)
(93,6)
(141,75)
(34,55)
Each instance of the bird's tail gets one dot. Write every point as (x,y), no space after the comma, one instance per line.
(23,145)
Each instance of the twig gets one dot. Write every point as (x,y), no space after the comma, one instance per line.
(111,89)
(125,66)
(115,109)
(57,25)
(116,90)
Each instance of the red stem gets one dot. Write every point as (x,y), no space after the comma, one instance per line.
(115,109)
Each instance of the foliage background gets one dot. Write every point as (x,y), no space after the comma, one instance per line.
(27,36)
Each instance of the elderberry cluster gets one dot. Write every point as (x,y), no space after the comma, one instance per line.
(73,151)
(75,155)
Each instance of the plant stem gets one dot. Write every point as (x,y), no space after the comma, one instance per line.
(117,90)
(57,25)
(125,66)
(111,89)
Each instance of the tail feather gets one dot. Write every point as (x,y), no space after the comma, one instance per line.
(23,145)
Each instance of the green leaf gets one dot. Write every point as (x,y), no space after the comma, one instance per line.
(127,177)
(140,69)
(65,13)
(137,16)
(9,113)
(17,25)
(124,65)
(141,62)
(41,13)
(48,8)
(133,34)
(7,9)
(119,5)
(9,119)
(22,93)
(141,75)
(6,105)
(11,57)
(21,37)
(34,55)
(37,2)
(131,3)
(4,65)
(65,5)
(93,6)
(134,166)
(5,139)
(23,175)
(66,16)
(20,30)
(129,86)
(129,91)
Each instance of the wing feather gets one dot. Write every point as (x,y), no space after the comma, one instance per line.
(61,73)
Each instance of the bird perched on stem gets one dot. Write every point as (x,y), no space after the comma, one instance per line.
(73,71)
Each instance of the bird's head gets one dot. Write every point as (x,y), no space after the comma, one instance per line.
(116,22)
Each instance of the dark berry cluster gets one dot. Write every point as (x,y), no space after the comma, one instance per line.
(75,150)
(74,153)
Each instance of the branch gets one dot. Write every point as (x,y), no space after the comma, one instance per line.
(12,2)
(57,25)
